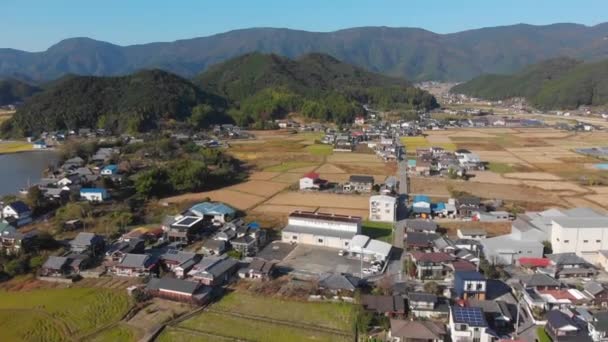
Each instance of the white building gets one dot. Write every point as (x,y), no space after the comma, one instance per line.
(506,250)
(311,180)
(382,208)
(468,324)
(94,194)
(321,229)
(369,249)
(584,236)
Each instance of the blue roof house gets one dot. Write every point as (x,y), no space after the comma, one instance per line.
(94,194)
(421,205)
(470,284)
(39,145)
(215,211)
(110,170)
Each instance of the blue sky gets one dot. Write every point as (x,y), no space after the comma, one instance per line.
(34,25)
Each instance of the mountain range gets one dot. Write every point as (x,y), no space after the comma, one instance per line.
(561,83)
(413,53)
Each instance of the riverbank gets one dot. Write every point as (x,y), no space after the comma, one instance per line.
(8,147)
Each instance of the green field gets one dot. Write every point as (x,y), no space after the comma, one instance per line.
(286,166)
(269,319)
(320,150)
(54,314)
(378,230)
(116,334)
(500,168)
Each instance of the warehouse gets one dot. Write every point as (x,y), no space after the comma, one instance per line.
(321,229)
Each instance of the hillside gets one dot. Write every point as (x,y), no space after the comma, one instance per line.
(268,86)
(135,102)
(13,91)
(412,53)
(555,84)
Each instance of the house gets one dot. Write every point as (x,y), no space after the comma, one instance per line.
(563,327)
(471,233)
(59,195)
(13,242)
(339,283)
(390,306)
(118,250)
(382,208)
(468,324)
(427,305)
(598,292)
(368,249)
(540,281)
(466,206)
(420,226)
(405,330)
(136,265)
(184,229)
(470,284)
(17,210)
(497,313)
(214,247)
(420,241)
(109,170)
(179,290)
(570,265)
(443,244)
(94,194)
(359,120)
(421,206)
(62,266)
(104,154)
(179,262)
(431,265)
(391,184)
(258,269)
(321,229)
(598,326)
(468,244)
(213,211)
(311,180)
(213,271)
(506,250)
(360,183)
(87,243)
(40,145)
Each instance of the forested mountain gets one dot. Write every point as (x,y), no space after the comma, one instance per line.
(135,102)
(412,53)
(268,86)
(13,91)
(554,84)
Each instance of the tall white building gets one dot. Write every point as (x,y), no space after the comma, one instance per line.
(321,229)
(382,208)
(584,236)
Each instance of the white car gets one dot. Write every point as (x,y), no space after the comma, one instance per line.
(341,252)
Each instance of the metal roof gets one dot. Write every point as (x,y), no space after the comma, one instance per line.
(582,222)
(318,231)
(173,284)
(212,208)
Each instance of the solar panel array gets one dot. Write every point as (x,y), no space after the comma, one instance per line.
(471,316)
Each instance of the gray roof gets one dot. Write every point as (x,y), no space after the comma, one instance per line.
(472,231)
(334,281)
(261,266)
(136,260)
(594,288)
(318,231)
(582,222)
(222,267)
(84,239)
(566,259)
(421,238)
(55,262)
(214,244)
(491,307)
(539,279)
(421,225)
(422,297)
(582,213)
(361,179)
(600,321)
(177,256)
(417,330)
(173,284)
(383,304)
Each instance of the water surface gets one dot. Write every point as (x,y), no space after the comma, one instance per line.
(17,169)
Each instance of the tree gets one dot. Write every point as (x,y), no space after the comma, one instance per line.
(187,175)
(152,182)
(488,269)
(35,199)
(36,262)
(432,287)
(547,248)
(16,267)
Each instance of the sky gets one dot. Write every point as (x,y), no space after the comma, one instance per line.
(34,25)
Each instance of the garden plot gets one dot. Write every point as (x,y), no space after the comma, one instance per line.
(259,188)
(239,200)
(320,199)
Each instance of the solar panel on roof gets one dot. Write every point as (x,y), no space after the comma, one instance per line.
(471,316)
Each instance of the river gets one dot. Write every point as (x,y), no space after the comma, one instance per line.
(17,169)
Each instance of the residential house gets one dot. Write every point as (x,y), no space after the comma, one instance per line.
(568,265)
(470,284)
(563,327)
(214,271)
(321,229)
(466,206)
(598,292)
(427,305)
(87,243)
(468,244)
(359,183)
(258,269)
(179,290)
(39,145)
(249,239)
(13,242)
(62,266)
(179,262)
(391,184)
(383,208)
(431,265)
(109,170)
(406,331)
(471,233)
(311,180)
(420,226)
(19,211)
(598,326)
(184,229)
(104,154)
(443,244)
(539,281)
(498,313)
(214,247)
(368,249)
(94,194)
(136,265)
(118,250)
(421,206)
(390,306)
(468,324)
(214,212)
(339,283)
(420,241)
(72,163)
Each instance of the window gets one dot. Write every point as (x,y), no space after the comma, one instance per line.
(585,241)
(479,286)
(345,243)
(598,241)
(469,286)
(294,237)
(320,240)
(557,239)
(566,241)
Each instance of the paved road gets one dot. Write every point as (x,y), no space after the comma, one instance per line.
(395,267)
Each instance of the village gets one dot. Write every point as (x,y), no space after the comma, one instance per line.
(431,268)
